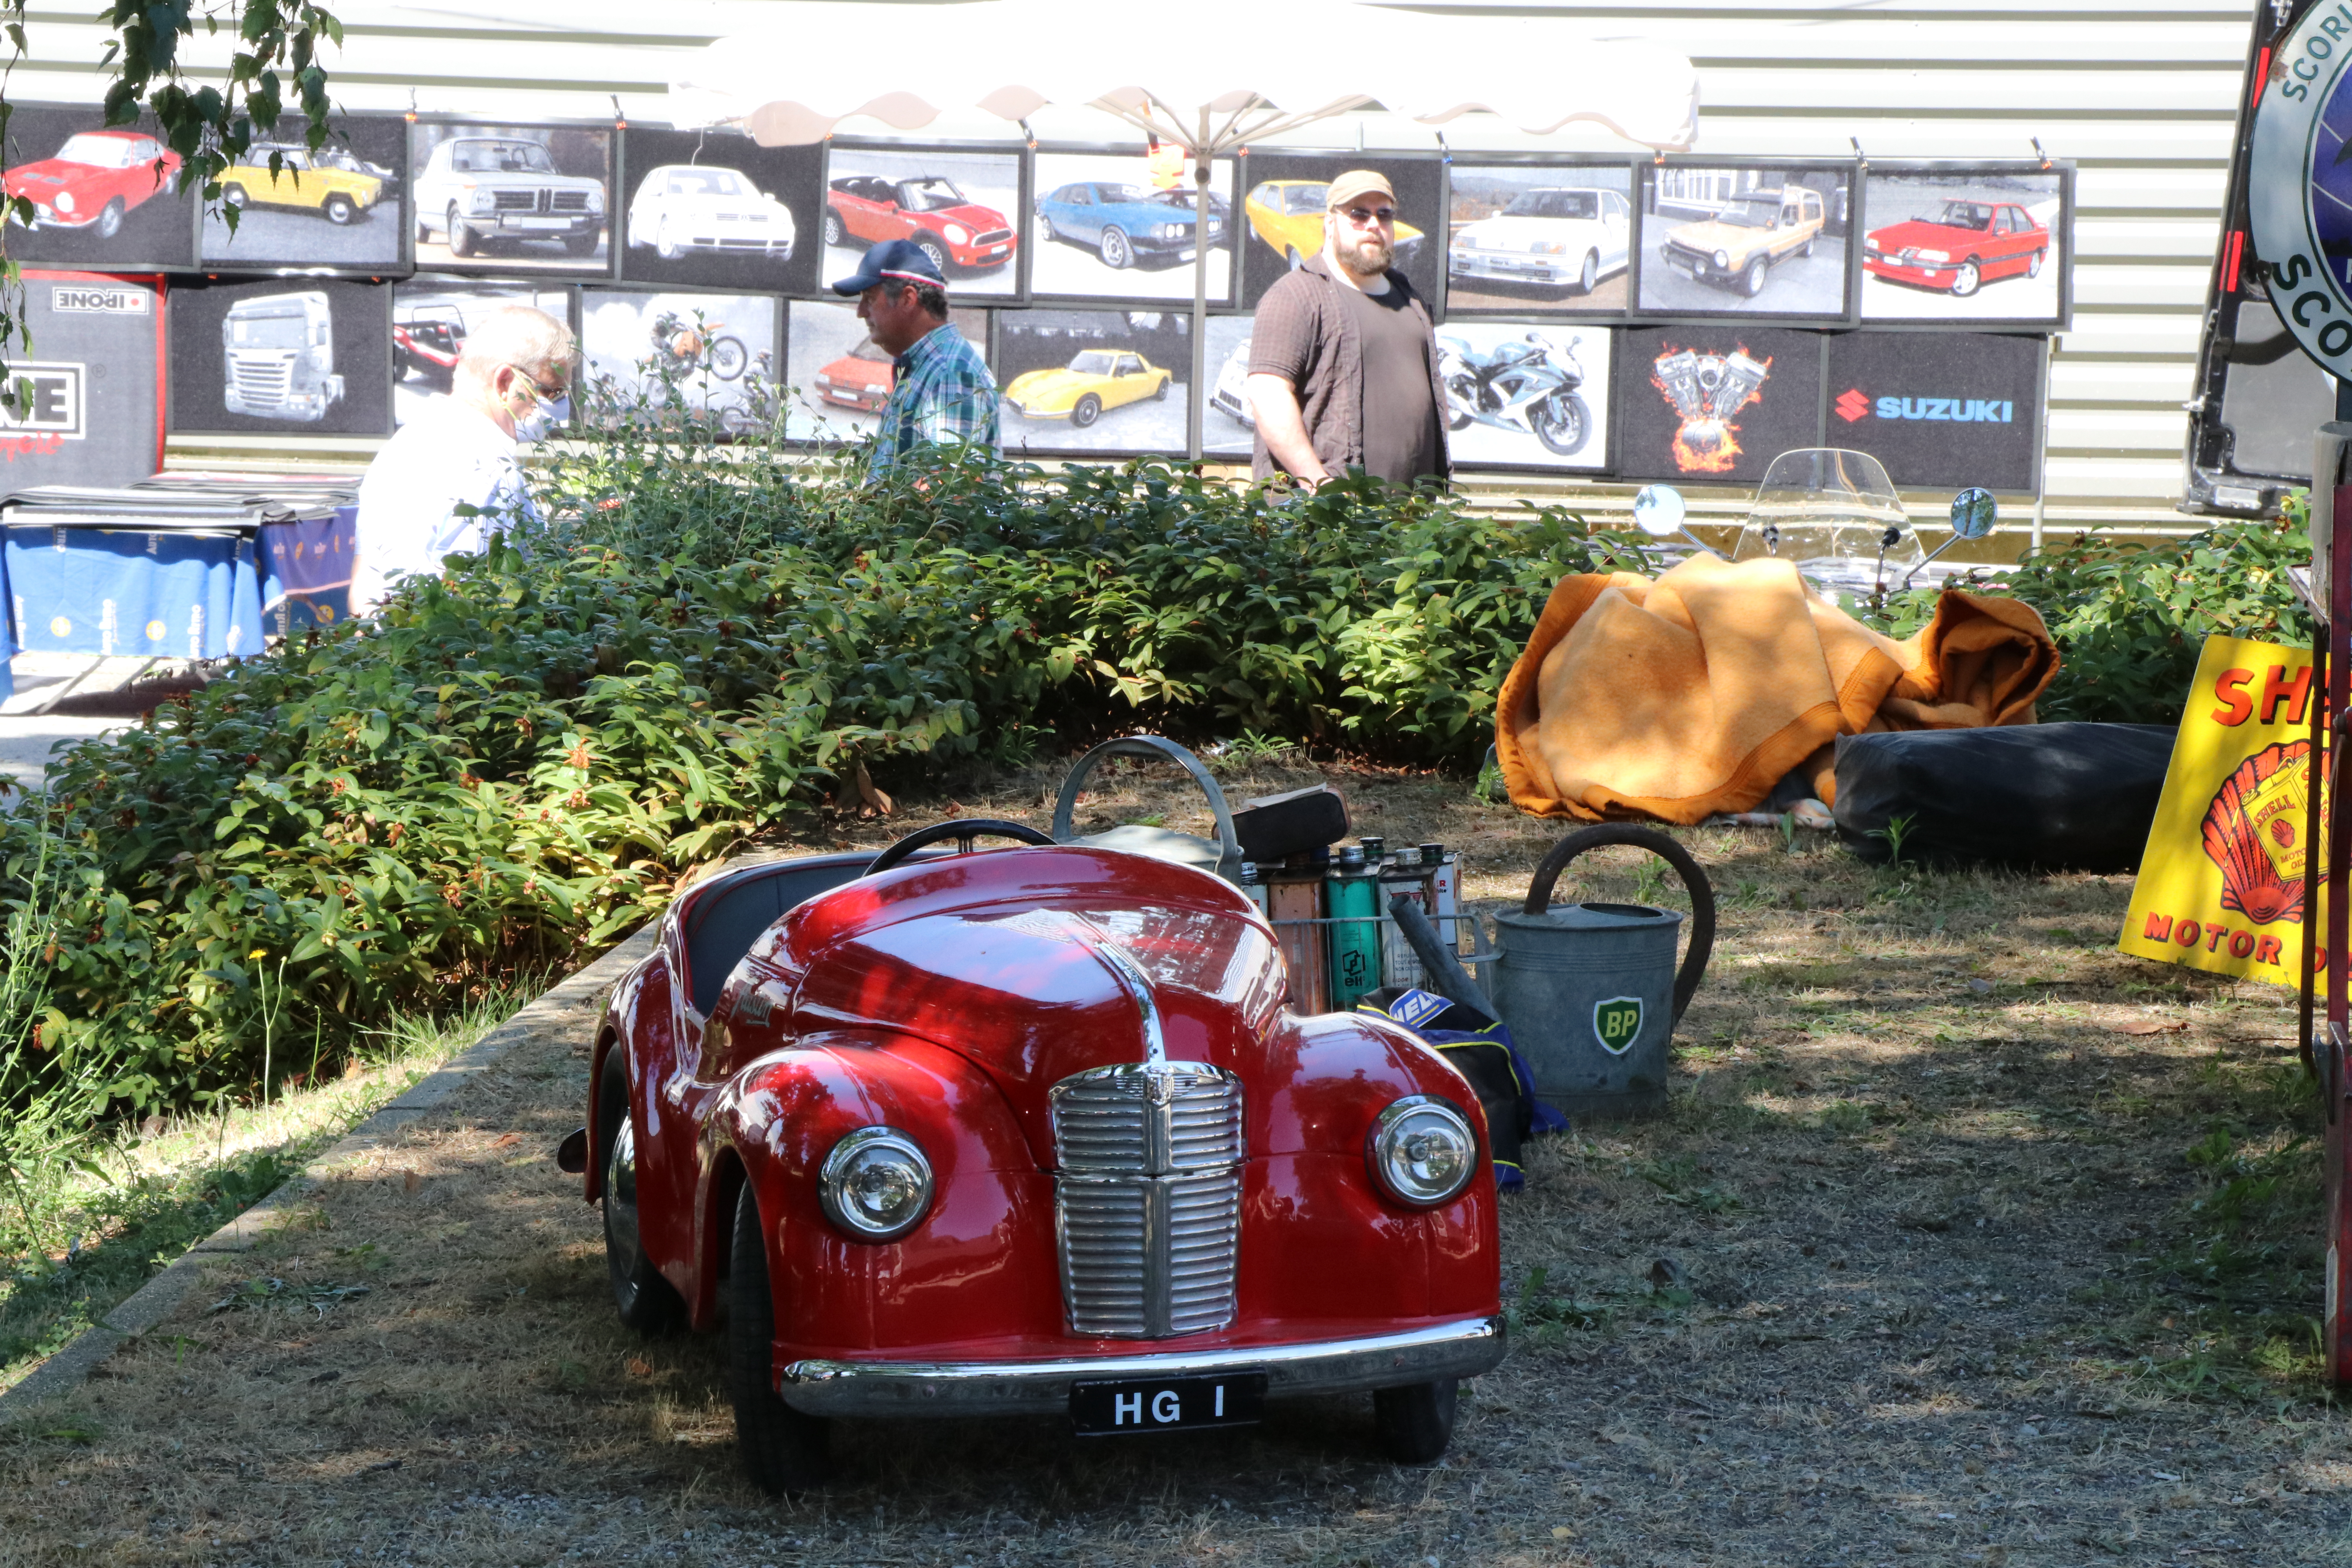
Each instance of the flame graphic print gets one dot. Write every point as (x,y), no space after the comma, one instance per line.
(2254,832)
(1706,390)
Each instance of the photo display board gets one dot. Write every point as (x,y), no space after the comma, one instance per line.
(511,198)
(343,208)
(1119,227)
(91,407)
(1095,382)
(1526,394)
(1540,237)
(1228,428)
(1772,240)
(1941,410)
(289,356)
(836,379)
(103,196)
(1715,403)
(962,208)
(713,354)
(1282,215)
(714,209)
(430,319)
(1988,244)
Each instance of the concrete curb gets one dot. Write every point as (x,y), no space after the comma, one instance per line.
(568,1006)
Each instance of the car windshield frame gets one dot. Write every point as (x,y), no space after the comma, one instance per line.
(927,191)
(117,150)
(742,187)
(1094,362)
(1944,218)
(1544,203)
(1743,211)
(460,164)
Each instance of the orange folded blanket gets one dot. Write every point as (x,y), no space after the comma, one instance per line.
(1697,692)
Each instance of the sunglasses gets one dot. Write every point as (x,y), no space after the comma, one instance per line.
(1364,216)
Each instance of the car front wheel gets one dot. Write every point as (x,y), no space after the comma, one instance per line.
(1116,252)
(782,1450)
(664,246)
(581,244)
(340,210)
(1752,284)
(1416,1422)
(462,241)
(1087,411)
(1965,280)
(1591,277)
(647,1302)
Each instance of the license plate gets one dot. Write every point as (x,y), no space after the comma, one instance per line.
(542,222)
(1167,1404)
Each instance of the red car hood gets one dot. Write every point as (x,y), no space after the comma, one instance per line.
(980,220)
(58,172)
(871,373)
(1000,957)
(1931,237)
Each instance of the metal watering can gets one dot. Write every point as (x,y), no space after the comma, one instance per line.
(1590,990)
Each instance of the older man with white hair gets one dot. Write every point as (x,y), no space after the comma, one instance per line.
(513,385)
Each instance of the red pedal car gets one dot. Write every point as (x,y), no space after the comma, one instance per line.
(1028,1128)
(1965,245)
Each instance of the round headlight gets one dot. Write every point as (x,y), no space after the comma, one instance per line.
(1723,259)
(65,201)
(1423,1151)
(958,235)
(876,1184)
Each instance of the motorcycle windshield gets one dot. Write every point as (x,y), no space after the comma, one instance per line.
(1826,508)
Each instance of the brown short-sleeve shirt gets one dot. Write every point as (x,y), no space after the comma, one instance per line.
(1328,340)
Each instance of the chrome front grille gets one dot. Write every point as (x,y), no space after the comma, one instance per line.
(1148,1198)
(262,380)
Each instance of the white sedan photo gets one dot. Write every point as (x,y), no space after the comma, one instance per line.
(682,208)
(1551,239)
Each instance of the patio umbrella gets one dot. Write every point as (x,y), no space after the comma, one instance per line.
(1209,76)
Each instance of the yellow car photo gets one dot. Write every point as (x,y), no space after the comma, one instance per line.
(1096,380)
(329,182)
(1288,215)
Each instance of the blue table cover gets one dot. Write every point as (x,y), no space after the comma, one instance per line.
(105,591)
(305,570)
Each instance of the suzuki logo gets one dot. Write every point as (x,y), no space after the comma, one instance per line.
(1852,405)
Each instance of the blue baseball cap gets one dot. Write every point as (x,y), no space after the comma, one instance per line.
(892,261)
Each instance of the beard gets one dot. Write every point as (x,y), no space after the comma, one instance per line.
(1365,255)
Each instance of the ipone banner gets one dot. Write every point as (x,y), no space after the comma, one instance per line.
(2299,186)
(2222,885)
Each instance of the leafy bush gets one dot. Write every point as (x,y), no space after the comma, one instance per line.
(519,759)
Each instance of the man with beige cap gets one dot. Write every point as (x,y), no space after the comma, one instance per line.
(1343,357)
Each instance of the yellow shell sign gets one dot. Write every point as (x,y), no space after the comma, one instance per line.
(2221,885)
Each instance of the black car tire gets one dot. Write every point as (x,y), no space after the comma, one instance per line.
(1416,1422)
(1589,278)
(833,230)
(424,230)
(782,1450)
(1751,282)
(338,208)
(1565,437)
(1116,254)
(232,195)
(1159,393)
(2033,268)
(1290,254)
(462,240)
(647,1302)
(1808,244)
(935,251)
(1967,280)
(1086,411)
(581,244)
(109,219)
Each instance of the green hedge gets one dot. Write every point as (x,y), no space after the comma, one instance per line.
(519,758)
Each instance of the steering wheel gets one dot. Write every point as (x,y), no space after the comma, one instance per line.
(963,830)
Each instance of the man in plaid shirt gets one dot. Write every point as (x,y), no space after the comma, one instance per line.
(940,390)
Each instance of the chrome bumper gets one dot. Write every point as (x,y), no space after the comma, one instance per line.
(1462,1349)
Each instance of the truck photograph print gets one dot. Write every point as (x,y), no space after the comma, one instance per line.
(281,355)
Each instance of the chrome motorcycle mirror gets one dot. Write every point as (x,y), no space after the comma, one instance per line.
(1659,510)
(1974,513)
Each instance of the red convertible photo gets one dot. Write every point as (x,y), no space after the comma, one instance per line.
(1962,248)
(954,230)
(967,1130)
(95,178)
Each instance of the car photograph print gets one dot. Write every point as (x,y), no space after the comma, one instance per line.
(1121,226)
(1547,237)
(961,208)
(510,199)
(1981,246)
(101,195)
(339,207)
(1746,240)
(714,209)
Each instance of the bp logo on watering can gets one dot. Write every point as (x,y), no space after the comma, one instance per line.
(1616,1020)
(2300,191)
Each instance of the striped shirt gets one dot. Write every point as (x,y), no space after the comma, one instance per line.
(940,390)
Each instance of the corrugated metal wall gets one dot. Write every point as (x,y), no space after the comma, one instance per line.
(2141,95)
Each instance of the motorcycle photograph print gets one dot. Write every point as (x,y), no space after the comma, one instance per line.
(1516,394)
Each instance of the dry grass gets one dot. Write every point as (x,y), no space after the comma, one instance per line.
(1913,1272)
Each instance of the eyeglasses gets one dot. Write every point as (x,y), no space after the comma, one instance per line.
(558,395)
(1365,217)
